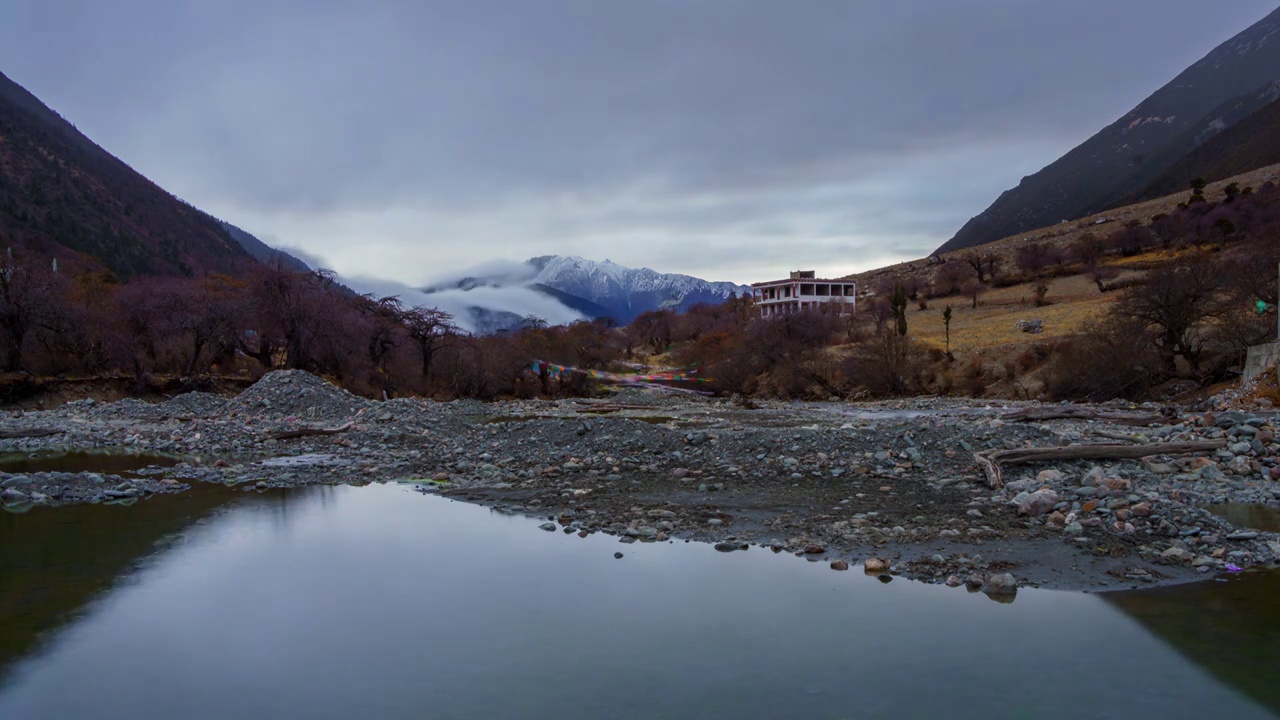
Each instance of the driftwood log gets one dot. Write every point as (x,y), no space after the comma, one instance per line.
(1118,436)
(32,433)
(308,432)
(1077,412)
(990,460)
(609,407)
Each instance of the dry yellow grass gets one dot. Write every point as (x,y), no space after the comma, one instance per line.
(1075,303)
(1063,234)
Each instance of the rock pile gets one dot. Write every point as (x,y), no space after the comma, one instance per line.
(296,394)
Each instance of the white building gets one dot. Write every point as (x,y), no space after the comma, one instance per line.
(803,291)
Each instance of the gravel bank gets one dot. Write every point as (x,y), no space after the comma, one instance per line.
(831,482)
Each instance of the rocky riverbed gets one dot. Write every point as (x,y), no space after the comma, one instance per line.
(891,487)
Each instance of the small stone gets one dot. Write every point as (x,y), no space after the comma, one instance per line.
(617,556)
(548,526)
(1177,553)
(1117,484)
(1051,475)
(839,565)
(875,565)
(954,581)
(814,550)
(1243,535)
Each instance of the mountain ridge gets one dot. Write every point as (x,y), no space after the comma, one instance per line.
(64,196)
(1102,171)
(1253,142)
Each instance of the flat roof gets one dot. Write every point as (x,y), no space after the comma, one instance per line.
(804,280)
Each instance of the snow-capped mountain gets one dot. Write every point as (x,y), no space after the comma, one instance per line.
(627,292)
(587,288)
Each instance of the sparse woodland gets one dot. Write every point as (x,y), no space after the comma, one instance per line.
(1183,296)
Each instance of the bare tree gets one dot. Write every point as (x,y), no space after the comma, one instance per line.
(430,331)
(30,300)
(981,263)
(1175,301)
(950,278)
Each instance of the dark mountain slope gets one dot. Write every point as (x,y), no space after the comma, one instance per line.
(263,252)
(1248,145)
(63,196)
(1112,164)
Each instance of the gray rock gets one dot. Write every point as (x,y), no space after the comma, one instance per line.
(13,497)
(548,526)
(1002,584)
(1243,535)
(1025,485)
(1038,503)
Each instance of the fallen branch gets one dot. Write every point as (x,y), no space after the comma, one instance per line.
(32,433)
(308,432)
(1118,436)
(609,407)
(1077,412)
(990,460)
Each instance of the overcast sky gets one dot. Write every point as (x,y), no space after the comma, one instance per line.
(407,139)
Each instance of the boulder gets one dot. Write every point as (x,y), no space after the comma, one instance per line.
(1002,584)
(1038,503)
(13,497)
(1177,553)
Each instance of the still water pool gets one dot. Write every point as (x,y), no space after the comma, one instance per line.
(378,602)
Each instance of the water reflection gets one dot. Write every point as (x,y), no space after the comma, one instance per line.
(1245,515)
(1230,627)
(55,561)
(378,602)
(110,463)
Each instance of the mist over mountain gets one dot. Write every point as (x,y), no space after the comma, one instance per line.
(589,288)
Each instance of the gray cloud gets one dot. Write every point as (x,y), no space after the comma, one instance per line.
(404,139)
